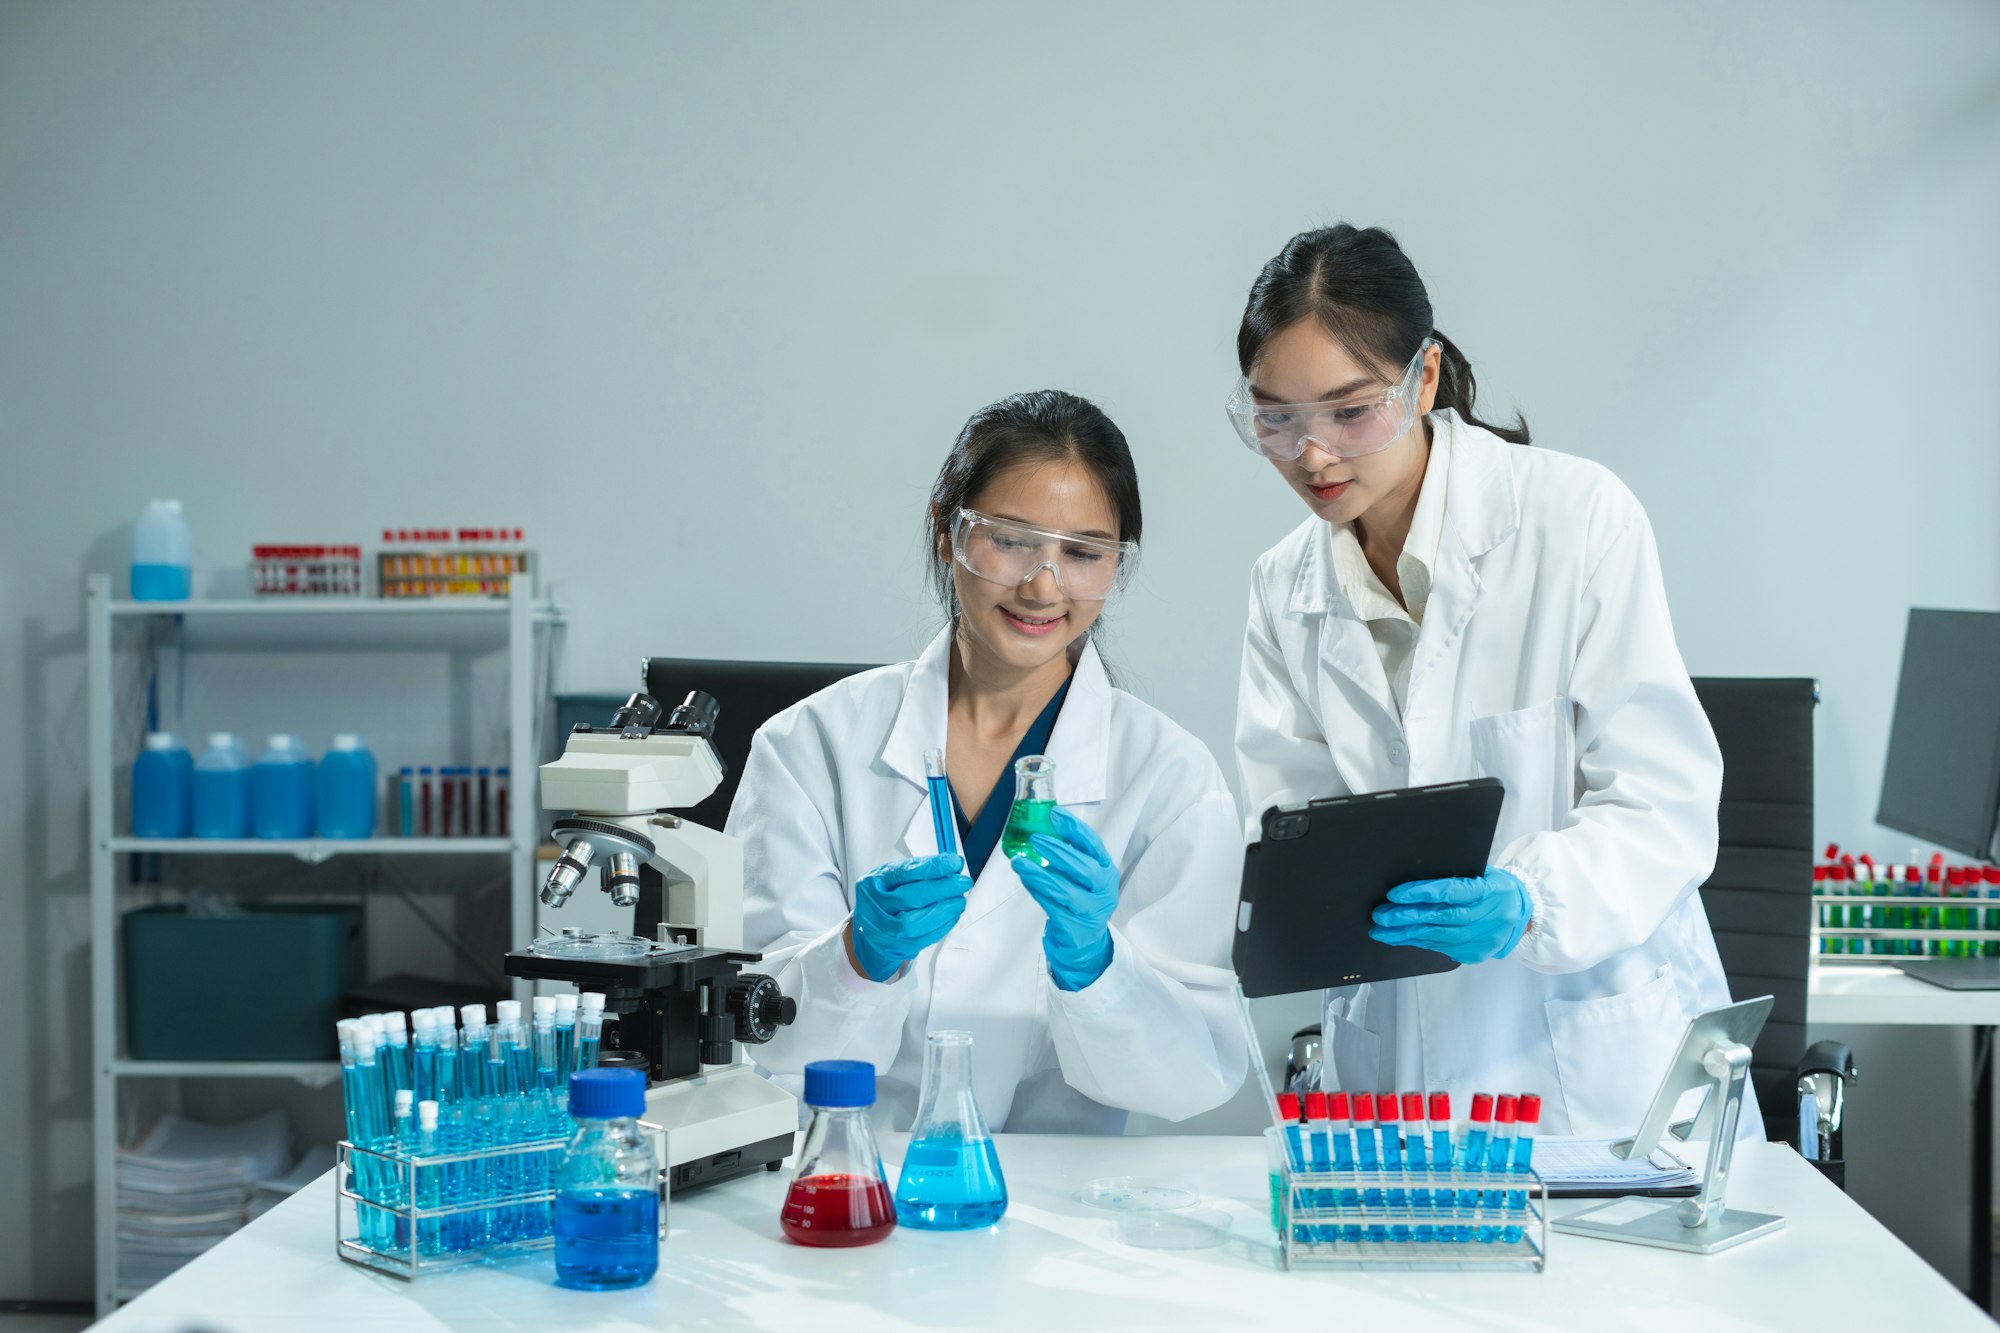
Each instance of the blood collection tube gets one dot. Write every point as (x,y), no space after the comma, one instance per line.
(1473,1155)
(1413,1156)
(1500,1151)
(485,801)
(1363,1104)
(1413,1130)
(449,825)
(1341,1130)
(464,781)
(1441,1158)
(500,802)
(1391,1117)
(1289,1113)
(406,800)
(426,798)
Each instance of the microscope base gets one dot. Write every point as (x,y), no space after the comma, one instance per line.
(725,1121)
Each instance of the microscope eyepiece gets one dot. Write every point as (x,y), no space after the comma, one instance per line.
(637,716)
(697,714)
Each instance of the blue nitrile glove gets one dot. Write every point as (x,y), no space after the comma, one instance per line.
(903,908)
(1079,890)
(1466,920)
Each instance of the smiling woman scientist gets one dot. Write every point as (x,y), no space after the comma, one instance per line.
(1095,986)
(1458,605)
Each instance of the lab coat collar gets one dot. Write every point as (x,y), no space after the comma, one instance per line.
(1472,477)
(1079,744)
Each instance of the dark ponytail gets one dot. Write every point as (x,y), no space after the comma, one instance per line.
(1362,289)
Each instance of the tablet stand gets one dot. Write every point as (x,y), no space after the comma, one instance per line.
(1714,1055)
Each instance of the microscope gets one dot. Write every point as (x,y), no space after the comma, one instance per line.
(676,985)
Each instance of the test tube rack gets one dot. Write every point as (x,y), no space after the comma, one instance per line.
(305,571)
(483,563)
(1413,1219)
(410,1217)
(1910,941)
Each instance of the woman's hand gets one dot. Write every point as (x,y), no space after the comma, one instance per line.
(903,908)
(1466,920)
(1079,891)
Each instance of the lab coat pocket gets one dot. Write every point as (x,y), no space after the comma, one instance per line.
(1612,1051)
(1355,1053)
(1531,752)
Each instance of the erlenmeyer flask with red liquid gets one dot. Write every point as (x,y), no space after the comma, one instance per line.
(839,1194)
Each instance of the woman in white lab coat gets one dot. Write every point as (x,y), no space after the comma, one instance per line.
(1456,605)
(1095,986)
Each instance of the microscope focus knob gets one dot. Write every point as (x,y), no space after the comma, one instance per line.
(760,1007)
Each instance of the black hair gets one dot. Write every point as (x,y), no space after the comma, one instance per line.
(1045,426)
(1360,287)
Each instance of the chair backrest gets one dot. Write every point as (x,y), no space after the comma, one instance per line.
(750,694)
(1759,900)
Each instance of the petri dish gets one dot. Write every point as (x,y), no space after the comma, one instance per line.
(1155,1217)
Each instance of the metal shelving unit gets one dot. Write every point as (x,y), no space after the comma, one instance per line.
(526,629)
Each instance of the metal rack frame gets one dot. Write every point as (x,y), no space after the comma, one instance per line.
(308,623)
(1401,1220)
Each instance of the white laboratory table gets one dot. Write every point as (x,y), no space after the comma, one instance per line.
(1052,1264)
(1855,995)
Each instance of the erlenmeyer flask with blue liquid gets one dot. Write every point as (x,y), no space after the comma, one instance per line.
(951,1177)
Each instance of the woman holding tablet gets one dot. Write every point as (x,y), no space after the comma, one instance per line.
(1457,605)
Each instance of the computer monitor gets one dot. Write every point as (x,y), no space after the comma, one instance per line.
(1942,779)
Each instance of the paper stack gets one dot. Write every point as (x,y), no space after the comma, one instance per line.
(268,1194)
(186,1185)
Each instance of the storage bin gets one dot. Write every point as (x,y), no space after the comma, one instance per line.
(264,985)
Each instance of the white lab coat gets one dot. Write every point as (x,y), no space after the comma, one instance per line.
(1545,659)
(834,787)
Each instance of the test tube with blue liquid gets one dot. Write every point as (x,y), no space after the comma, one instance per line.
(1528,1116)
(1472,1158)
(940,792)
(1414,1155)
(1388,1113)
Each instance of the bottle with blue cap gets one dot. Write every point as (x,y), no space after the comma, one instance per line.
(607,1208)
(840,1195)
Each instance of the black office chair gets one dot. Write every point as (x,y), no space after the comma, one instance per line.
(1759,899)
(750,694)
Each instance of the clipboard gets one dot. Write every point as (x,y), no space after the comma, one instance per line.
(1312,882)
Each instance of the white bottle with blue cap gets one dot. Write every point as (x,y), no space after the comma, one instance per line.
(608,1221)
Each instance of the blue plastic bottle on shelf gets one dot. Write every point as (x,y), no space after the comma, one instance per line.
(346,802)
(607,1209)
(162,788)
(162,554)
(281,790)
(222,789)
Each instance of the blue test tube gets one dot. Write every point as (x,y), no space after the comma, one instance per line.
(406,802)
(1289,1114)
(1472,1159)
(940,792)
(565,1039)
(1389,1116)
(1366,1149)
(1340,1130)
(1499,1157)
(589,1028)
(1414,1135)
(1528,1118)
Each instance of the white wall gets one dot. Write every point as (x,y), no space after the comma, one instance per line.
(700,295)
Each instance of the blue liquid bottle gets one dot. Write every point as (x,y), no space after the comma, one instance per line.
(345,802)
(162,788)
(951,1177)
(281,790)
(607,1210)
(222,789)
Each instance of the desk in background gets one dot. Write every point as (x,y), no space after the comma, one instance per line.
(1053,1265)
(1854,995)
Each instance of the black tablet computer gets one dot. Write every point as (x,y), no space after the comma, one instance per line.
(1311,884)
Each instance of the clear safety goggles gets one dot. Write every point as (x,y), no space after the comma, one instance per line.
(1010,553)
(1345,427)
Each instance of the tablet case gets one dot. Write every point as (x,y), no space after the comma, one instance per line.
(1311,884)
